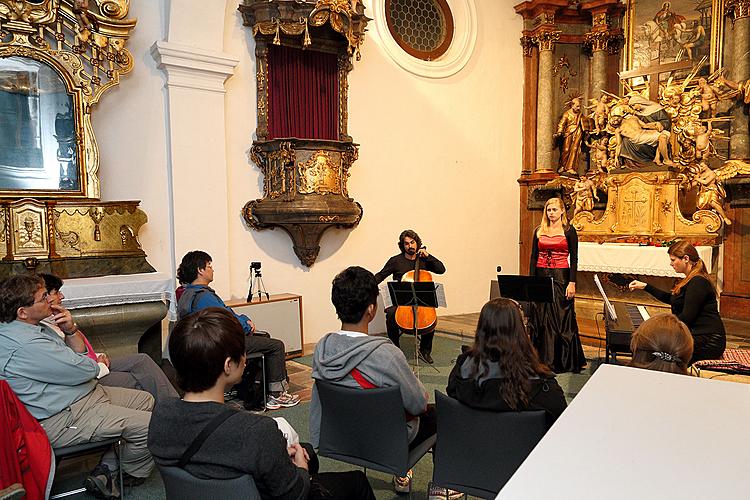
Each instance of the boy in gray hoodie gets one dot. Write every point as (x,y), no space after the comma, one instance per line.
(350,357)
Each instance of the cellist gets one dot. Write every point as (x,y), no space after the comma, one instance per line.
(411,248)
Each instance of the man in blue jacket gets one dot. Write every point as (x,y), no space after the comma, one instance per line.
(195,273)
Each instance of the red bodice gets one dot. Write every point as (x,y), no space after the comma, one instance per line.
(553,252)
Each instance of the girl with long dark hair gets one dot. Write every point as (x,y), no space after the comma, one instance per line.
(502,371)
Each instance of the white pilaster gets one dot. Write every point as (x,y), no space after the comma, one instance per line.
(196,151)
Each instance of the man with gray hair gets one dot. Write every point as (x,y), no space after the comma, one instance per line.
(57,382)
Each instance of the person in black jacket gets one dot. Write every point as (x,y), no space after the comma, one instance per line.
(553,325)
(207,349)
(502,371)
(693,301)
(411,248)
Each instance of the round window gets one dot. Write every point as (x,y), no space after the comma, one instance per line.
(423,28)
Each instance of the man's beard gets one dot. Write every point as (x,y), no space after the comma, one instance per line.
(411,251)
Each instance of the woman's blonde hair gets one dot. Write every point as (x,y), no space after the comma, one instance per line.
(544,228)
(680,250)
(662,343)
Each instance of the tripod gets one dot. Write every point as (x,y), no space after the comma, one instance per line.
(256,282)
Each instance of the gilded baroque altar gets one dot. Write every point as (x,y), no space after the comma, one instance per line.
(57,59)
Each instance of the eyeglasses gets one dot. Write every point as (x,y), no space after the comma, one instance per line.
(43,299)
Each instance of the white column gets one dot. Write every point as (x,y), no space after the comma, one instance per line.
(196,151)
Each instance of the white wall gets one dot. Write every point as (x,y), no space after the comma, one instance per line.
(458,139)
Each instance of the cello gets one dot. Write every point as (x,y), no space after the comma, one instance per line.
(420,317)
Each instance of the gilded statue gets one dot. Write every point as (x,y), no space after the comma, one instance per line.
(570,129)
(711,193)
(635,138)
(600,109)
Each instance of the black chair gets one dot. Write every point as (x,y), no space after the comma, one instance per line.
(181,485)
(367,427)
(477,451)
(82,449)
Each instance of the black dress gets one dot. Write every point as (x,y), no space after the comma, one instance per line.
(696,306)
(553,326)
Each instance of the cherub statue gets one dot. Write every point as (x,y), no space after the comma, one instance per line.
(584,192)
(709,97)
(600,111)
(581,192)
(599,154)
(711,193)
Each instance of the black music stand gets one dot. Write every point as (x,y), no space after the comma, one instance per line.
(414,294)
(526,288)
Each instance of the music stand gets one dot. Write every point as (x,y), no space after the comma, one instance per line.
(414,294)
(526,288)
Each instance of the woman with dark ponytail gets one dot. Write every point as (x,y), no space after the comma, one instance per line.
(502,371)
(693,301)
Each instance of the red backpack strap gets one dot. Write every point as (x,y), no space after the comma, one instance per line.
(361,380)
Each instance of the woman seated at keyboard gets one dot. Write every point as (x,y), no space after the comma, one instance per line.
(662,343)
(502,371)
(693,301)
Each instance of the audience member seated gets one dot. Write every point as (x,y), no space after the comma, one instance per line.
(662,343)
(502,371)
(59,386)
(195,273)
(352,358)
(135,371)
(208,351)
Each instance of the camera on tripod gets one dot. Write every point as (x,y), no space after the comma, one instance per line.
(256,283)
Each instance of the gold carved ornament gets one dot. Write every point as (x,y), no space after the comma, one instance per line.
(319,175)
(546,39)
(737,9)
(338,13)
(85,46)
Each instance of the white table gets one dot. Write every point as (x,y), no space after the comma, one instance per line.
(637,434)
(629,258)
(120,289)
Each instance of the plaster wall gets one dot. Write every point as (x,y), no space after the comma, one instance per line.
(440,156)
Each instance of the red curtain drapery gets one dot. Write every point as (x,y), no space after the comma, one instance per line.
(303,94)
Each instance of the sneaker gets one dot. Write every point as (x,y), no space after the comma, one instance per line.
(435,492)
(403,484)
(283,400)
(101,483)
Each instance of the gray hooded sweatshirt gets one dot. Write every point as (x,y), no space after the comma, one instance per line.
(378,360)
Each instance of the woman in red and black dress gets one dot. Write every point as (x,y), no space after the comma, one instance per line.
(554,253)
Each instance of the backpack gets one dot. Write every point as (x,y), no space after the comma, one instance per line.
(250,389)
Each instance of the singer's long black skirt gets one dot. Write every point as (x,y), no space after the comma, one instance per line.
(554,330)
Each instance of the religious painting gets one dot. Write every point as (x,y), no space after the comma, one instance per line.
(661,32)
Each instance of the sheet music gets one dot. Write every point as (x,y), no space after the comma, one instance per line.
(385,294)
(644,313)
(440,292)
(610,307)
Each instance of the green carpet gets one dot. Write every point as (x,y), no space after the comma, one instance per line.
(445,351)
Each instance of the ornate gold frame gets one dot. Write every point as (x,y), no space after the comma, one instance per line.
(717,33)
(87,49)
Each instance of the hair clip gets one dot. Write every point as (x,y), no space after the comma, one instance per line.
(665,356)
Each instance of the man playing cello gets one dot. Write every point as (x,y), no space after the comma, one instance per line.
(411,247)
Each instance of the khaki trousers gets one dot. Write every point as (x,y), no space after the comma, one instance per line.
(107,412)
